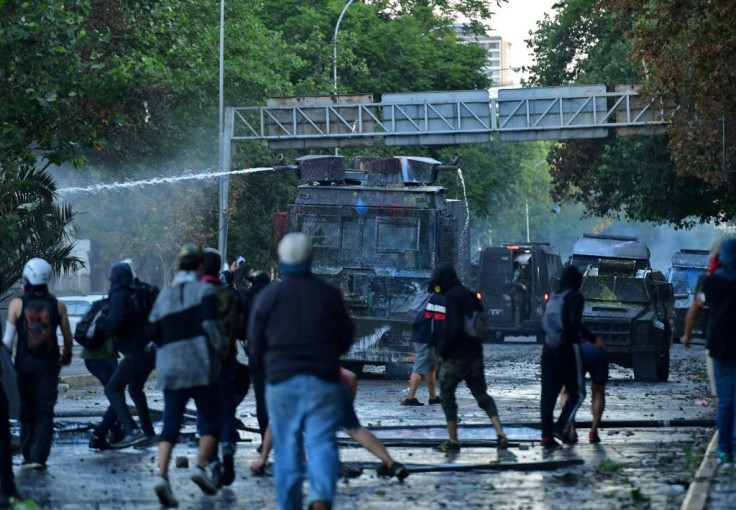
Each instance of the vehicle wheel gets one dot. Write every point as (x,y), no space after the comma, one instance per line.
(663,367)
(645,366)
(540,338)
(496,337)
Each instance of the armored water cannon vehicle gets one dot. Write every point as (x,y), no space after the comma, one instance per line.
(632,310)
(687,270)
(587,251)
(513,311)
(378,230)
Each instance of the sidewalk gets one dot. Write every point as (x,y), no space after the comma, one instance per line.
(714,487)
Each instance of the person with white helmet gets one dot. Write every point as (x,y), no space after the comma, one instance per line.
(34,318)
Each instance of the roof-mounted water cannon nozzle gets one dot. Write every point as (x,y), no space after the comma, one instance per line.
(451,166)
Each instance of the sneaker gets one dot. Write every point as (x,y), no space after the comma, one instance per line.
(38,466)
(411,402)
(502,442)
(725,458)
(149,440)
(98,443)
(397,469)
(132,439)
(567,437)
(228,464)
(204,480)
(593,437)
(549,443)
(348,470)
(163,490)
(448,447)
(434,401)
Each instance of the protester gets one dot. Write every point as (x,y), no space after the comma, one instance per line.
(461,357)
(258,281)
(138,361)
(8,489)
(719,294)
(352,427)
(298,329)
(595,363)
(102,361)
(229,312)
(34,317)
(561,361)
(425,333)
(191,340)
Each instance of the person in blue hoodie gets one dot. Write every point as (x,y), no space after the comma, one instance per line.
(719,293)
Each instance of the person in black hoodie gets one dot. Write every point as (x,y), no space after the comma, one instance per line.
(138,361)
(562,364)
(461,357)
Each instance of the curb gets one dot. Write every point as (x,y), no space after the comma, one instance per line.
(697,494)
(78,380)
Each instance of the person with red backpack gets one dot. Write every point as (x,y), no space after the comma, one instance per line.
(34,318)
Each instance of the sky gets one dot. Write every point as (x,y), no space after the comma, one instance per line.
(514,20)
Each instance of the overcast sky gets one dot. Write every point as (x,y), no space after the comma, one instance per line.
(514,20)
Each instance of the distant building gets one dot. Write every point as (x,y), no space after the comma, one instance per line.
(78,281)
(498,55)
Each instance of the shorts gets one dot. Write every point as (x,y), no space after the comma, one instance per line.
(595,362)
(425,359)
(348,418)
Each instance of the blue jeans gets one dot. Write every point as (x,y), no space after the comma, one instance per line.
(304,410)
(103,369)
(725,373)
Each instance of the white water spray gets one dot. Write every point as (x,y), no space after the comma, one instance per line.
(159,180)
(467,209)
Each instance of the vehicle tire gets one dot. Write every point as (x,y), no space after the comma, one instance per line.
(663,367)
(496,337)
(540,338)
(645,366)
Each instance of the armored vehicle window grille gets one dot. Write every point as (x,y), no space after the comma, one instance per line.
(324,231)
(684,280)
(397,234)
(615,289)
(613,333)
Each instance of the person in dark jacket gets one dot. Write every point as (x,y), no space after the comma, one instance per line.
(258,281)
(138,361)
(719,293)
(38,372)
(424,335)
(461,357)
(563,366)
(298,329)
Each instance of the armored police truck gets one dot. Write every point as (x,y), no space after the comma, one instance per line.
(688,268)
(587,251)
(515,311)
(378,231)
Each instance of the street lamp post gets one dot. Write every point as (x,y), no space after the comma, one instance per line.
(224,182)
(334,47)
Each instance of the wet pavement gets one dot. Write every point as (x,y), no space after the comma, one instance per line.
(641,463)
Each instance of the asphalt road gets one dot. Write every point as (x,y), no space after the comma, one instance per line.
(644,466)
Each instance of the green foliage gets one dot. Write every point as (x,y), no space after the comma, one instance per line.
(608,466)
(32,224)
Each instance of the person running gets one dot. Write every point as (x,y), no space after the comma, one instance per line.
(191,341)
(229,312)
(352,427)
(137,363)
(561,361)
(424,334)
(297,331)
(8,490)
(718,292)
(461,358)
(34,318)
(595,363)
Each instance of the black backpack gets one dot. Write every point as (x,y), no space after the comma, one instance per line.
(87,334)
(40,327)
(144,295)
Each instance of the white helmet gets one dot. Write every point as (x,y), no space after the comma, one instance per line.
(37,272)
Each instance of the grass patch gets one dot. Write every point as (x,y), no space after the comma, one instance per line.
(608,466)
